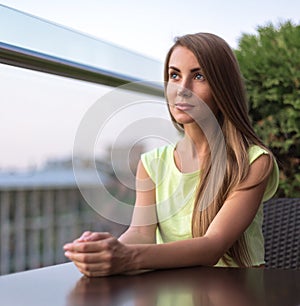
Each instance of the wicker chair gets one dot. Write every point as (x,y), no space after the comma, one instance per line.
(281,230)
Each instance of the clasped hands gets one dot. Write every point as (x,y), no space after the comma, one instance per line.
(100,254)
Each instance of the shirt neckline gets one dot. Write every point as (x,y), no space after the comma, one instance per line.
(174,166)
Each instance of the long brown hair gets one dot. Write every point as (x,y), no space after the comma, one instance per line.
(223,75)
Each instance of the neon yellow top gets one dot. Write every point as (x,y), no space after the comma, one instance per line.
(175,192)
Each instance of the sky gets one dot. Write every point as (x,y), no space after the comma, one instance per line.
(149,27)
(146,27)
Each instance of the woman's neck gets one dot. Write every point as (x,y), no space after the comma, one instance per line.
(195,141)
(192,151)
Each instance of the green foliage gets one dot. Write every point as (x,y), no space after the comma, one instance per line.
(270,64)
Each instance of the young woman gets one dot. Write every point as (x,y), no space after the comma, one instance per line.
(198,202)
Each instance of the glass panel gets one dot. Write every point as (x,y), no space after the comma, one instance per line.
(41,206)
(41,114)
(29,32)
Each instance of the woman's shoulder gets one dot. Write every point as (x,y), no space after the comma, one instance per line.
(256,151)
(156,160)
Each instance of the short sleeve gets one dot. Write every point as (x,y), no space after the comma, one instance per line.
(157,162)
(148,160)
(254,153)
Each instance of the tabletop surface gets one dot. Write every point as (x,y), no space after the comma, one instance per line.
(63,285)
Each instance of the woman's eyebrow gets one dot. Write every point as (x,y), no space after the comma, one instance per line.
(196,69)
(192,70)
(174,68)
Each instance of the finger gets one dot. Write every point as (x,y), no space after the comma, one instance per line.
(88,258)
(83,236)
(91,246)
(83,247)
(94,236)
(93,269)
(98,236)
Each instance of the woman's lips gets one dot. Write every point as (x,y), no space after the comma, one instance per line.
(184,106)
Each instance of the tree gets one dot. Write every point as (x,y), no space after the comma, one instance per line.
(270,64)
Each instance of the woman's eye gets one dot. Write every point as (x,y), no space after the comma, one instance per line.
(173,75)
(199,76)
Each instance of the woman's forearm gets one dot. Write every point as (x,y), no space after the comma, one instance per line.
(107,255)
(133,235)
(184,253)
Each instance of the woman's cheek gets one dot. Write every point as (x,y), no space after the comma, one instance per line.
(171,92)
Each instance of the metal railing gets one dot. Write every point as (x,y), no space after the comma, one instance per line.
(29,59)
(55,49)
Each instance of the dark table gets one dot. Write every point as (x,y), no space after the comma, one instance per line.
(64,285)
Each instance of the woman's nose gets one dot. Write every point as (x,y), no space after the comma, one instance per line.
(184,92)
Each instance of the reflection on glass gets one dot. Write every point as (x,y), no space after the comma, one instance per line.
(41,114)
(41,207)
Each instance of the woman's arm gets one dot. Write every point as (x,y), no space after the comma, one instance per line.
(111,256)
(144,220)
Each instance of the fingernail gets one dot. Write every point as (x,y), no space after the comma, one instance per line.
(85,234)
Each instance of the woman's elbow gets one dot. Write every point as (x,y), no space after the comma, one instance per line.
(212,260)
(215,251)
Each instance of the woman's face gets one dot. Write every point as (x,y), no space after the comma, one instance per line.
(188,88)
